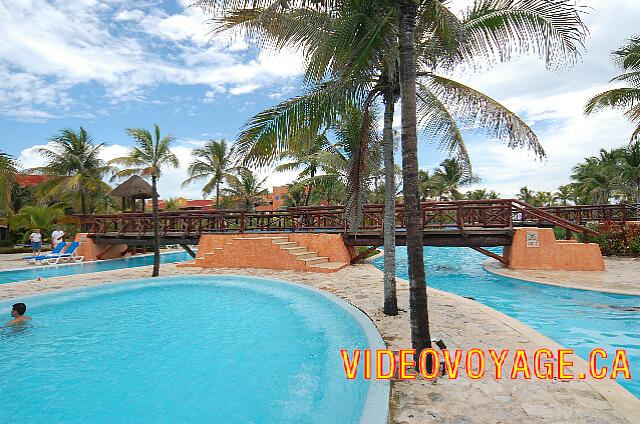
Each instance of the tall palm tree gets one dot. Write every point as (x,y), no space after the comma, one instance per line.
(447,179)
(74,166)
(564,194)
(630,172)
(481,194)
(147,157)
(309,156)
(345,42)
(247,189)
(543,198)
(598,177)
(8,172)
(526,194)
(627,59)
(214,162)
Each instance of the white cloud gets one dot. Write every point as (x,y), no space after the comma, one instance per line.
(553,103)
(130,15)
(244,89)
(50,47)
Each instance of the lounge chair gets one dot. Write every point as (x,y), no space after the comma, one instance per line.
(70,254)
(56,251)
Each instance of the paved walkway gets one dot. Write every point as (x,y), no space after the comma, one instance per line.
(13,260)
(462,323)
(622,276)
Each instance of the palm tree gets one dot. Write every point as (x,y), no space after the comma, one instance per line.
(74,166)
(598,177)
(447,179)
(296,195)
(481,194)
(172,204)
(526,195)
(627,59)
(630,172)
(564,194)
(348,41)
(147,157)
(543,198)
(8,172)
(309,156)
(215,163)
(38,216)
(247,189)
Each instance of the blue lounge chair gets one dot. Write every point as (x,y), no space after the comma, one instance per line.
(70,254)
(56,251)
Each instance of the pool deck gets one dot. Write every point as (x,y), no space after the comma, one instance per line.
(621,276)
(462,323)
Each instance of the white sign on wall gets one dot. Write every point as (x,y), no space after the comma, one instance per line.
(532,239)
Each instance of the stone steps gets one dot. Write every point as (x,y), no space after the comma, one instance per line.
(309,258)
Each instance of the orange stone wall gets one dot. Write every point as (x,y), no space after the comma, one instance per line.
(329,245)
(257,251)
(93,251)
(552,254)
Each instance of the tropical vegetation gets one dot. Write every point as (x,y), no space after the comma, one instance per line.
(627,99)
(150,153)
(214,163)
(360,50)
(75,171)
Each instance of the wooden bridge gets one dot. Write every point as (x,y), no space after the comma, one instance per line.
(472,223)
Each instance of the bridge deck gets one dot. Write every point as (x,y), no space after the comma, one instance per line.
(478,237)
(472,223)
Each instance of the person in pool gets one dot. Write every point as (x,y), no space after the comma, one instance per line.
(18,313)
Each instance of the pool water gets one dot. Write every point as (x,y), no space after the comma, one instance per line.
(577,319)
(47,271)
(191,349)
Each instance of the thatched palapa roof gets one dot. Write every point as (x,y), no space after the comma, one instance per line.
(135,187)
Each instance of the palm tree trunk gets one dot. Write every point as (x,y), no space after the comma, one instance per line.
(83,205)
(390,297)
(419,315)
(156,228)
(309,188)
(218,194)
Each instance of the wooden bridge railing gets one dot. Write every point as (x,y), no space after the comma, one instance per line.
(454,215)
(583,214)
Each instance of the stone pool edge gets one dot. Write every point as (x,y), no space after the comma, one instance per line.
(494,267)
(619,397)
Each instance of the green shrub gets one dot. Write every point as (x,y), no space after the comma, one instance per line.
(618,240)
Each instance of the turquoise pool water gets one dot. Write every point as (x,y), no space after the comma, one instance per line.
(182,350)
(577,319)
(47,271)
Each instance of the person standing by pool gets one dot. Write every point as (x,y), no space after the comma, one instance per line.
(36,242)
(56,237)
(18,313)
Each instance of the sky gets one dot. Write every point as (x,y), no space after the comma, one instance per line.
(108,65)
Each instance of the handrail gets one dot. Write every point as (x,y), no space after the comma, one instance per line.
(560,222)
(461,215)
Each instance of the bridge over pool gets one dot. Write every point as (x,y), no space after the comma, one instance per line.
(468,223)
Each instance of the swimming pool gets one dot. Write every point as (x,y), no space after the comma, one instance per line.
(577,319)
(196,349)
(47,271)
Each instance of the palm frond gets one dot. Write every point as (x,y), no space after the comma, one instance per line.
(480,112)
(497,30)
(619,98)
(438,124)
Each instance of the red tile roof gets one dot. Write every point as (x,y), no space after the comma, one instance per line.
(30,180)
